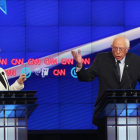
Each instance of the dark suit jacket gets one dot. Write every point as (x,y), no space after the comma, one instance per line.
(104,67)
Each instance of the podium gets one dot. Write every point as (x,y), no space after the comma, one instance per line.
(121,110)
(15,109)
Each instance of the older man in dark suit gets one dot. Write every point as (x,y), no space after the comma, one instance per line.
(118,69)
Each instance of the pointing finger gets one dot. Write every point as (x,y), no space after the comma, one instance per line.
(79,52)
(74,53)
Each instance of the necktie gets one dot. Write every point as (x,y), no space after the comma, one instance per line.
(118,70)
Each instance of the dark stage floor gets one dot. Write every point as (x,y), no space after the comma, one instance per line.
(62,135)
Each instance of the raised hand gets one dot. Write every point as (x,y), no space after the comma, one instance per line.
(21,79)
(77,58)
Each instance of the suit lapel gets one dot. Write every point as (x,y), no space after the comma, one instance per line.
(127,66)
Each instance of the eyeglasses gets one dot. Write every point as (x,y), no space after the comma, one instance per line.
(120,49)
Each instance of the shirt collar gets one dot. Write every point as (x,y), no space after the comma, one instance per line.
(121,61)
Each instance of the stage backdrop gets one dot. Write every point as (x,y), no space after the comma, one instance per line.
(36,37)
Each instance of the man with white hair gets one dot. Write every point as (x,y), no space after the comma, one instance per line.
(118,69)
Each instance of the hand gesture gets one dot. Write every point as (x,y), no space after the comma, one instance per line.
(21,79)
(77,58)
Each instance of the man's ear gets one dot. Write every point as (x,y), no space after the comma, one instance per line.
(128,49)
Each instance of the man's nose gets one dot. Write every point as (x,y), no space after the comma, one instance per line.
(118,50)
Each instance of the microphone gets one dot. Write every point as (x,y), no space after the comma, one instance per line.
(5,79)
(128,75)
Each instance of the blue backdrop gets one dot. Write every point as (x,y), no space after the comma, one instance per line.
(50,29)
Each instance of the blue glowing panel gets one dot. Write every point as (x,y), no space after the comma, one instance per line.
(134,46)
(99,32)
(109,0)
(12,39)
(127,28)
(34,29)
(74,12)
(45,72)
(13,13)
(73,36)
(47,91)
(3,6)
(76,116)
(136,49)
(132,13)
(107,13)
(45,117)
(41,13)
(73,91)
(74,0)
(43,64)
(36,55)
(42,39)
(8,56)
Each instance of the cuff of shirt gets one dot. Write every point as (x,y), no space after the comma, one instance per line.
(77,69)
(21,86)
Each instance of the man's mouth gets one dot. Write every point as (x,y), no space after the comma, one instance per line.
(118,57)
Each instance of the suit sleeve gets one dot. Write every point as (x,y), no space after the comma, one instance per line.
(90,73)
(16,86)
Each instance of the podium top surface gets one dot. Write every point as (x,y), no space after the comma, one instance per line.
(11,93)
(17,102)
(120,92)
(118,103)
(17,97)
(117,93)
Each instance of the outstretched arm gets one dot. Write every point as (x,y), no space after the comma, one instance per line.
(88,74)
(19,83)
